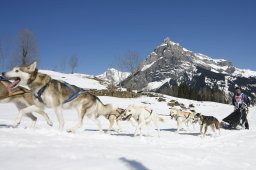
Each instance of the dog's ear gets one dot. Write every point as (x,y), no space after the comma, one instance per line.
(32,67)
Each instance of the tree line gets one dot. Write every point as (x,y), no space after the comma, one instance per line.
(202,94)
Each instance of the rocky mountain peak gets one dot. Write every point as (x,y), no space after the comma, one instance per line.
(171,65)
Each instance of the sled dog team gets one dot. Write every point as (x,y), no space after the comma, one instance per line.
(46,92)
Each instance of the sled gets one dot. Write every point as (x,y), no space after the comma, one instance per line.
(236,118)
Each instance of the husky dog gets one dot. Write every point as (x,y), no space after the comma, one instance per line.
(181,117)
(56,94)
(22,98)
(115,116)
(142,115)
(206,121)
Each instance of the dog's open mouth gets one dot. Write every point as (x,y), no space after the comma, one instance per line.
(14,82)
(127,117)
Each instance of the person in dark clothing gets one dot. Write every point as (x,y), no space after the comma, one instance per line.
(239,116)
(240,98)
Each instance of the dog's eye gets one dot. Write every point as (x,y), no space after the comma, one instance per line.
(16,71)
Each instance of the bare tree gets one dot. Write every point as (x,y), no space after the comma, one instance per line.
(27,48)
(111,87)
(73,62)
(128,62)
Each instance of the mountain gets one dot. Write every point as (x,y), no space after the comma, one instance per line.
(113,76)
(174,70)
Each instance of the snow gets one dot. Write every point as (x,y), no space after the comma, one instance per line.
(170,42)
(153,53)
(46,148)
(155,85)
(163,45)
(114,75)
(186,50)
(202,56)
(147,66)
(205,57)
(213,63)
(245,73)
(80,80)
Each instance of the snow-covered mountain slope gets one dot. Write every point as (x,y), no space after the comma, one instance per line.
(114,76)
(47,148)
(80,80)
(98,82)
(171,65)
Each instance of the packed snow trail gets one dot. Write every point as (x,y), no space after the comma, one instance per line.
(46,148)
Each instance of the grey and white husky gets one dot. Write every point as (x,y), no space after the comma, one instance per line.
(206,121)
(21,98)
(55,94)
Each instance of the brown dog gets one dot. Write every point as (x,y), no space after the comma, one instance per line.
(181,117)
(115,116)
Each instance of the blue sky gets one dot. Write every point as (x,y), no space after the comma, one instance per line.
(98,31)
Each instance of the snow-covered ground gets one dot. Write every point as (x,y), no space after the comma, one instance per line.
(80,80)
(46,148)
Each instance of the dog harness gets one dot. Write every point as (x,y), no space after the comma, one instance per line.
(150,112)
(177,116)
(108,116)
(74,95)
(40,92)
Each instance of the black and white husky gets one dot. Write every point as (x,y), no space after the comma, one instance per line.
(206,121)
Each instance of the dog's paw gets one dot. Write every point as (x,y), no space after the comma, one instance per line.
(16,124)
(33,125)
(109,132)
(202,136)
(50,124)
(118,130)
